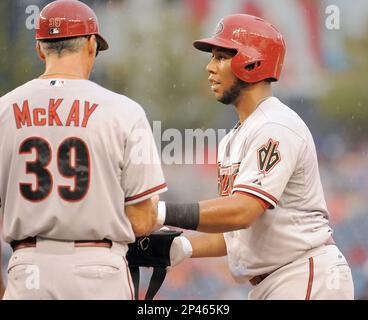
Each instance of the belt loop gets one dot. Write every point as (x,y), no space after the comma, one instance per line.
(119,248)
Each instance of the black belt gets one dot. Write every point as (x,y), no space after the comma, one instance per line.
(32,241)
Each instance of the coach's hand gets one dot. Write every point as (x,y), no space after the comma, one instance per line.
(181,249)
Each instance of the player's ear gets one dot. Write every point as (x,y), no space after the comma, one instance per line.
(40,52)
(92,45)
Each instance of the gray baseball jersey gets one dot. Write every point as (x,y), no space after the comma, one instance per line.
(271,156)
(71,159)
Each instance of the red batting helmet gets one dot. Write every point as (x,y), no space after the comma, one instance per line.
(66,19)
(259,45)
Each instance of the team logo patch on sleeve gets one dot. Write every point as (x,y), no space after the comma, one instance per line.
(268,156)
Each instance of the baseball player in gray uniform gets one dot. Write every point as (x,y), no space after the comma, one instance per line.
(271,218)
(73,190)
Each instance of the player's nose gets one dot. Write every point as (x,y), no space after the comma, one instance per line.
(211,67)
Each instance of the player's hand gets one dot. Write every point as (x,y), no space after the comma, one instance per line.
(155,200)
(180,249)
(159,223)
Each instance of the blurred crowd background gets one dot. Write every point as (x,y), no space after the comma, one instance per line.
(151,59)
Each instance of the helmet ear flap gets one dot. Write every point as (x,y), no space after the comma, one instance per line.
(244,68)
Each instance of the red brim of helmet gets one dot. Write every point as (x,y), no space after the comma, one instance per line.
(102,43)
(208,43)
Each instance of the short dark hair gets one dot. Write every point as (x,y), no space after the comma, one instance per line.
(63,45)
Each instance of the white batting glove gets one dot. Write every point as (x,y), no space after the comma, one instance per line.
(181,249)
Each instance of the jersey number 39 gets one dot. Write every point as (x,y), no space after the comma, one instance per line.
(73,162)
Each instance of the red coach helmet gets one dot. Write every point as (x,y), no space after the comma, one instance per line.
(260,46)
(66,19)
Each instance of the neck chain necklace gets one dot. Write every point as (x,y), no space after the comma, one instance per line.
(61,73)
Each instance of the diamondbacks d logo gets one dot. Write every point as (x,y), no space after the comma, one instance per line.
(268,156)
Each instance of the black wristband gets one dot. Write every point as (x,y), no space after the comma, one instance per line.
(184,216)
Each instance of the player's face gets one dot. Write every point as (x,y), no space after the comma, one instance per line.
(224,84)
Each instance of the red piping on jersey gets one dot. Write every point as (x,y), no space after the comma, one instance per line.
(140,195)
(310,281)
(128,276)
(263,203)
(243,186)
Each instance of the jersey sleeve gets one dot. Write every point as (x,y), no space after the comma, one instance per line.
(142,175)
(270,159)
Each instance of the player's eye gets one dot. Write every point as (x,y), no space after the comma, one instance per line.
(219,56)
